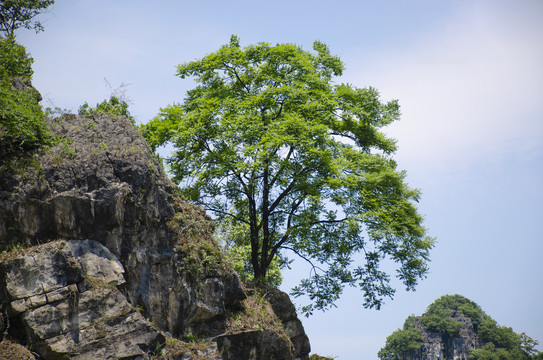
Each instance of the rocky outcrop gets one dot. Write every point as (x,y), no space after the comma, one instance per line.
(435,345)
(102,260)
(456,328)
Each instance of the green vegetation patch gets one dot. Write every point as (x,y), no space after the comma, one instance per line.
(402,342)
(113,107)
(22,121)
(201,255)
(318,357)
(177,349)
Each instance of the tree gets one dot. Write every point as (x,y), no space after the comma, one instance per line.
(15,14)
(269,141)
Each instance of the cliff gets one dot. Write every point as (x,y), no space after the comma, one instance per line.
(101,260)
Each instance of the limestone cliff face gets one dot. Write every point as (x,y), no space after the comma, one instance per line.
(435,346)
(102,260)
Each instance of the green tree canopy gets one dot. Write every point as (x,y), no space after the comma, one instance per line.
(266,139)
(15,14)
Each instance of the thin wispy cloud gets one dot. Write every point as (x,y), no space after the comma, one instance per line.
(466,90)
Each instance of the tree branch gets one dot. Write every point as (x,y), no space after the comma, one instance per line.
(233,69)
(226,213)
(304,257)
(272,182)
(285,237)
(286,191)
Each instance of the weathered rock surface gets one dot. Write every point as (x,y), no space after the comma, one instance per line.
(254,345)
(108,236)
(286,312)
(436,346)
(62,297)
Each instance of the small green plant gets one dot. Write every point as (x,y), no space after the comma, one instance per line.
(22,164)
(14,247)
(200,254)
(67,150)
(200,258)
(64,151)
(55,112)
(157,352)
(193,339)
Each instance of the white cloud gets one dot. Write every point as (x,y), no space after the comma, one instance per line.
(468,90)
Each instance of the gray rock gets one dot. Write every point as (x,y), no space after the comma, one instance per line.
(65,294)
(103,183)
(254,345)
(131,244)
(286,312)
(436,346)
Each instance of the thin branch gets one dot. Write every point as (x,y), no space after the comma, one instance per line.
(344,135)
(226,213)
(238,175)
(290,152)
(284,238)
(282,102)
(237,77)
(286,191)
(303,257)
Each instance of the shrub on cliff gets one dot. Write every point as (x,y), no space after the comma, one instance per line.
(437,316)
(22,123)
(402,342)
(113,107)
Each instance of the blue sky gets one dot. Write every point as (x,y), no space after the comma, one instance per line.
(468,76)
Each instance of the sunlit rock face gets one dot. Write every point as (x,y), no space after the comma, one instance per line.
(103,258)
(436,346)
